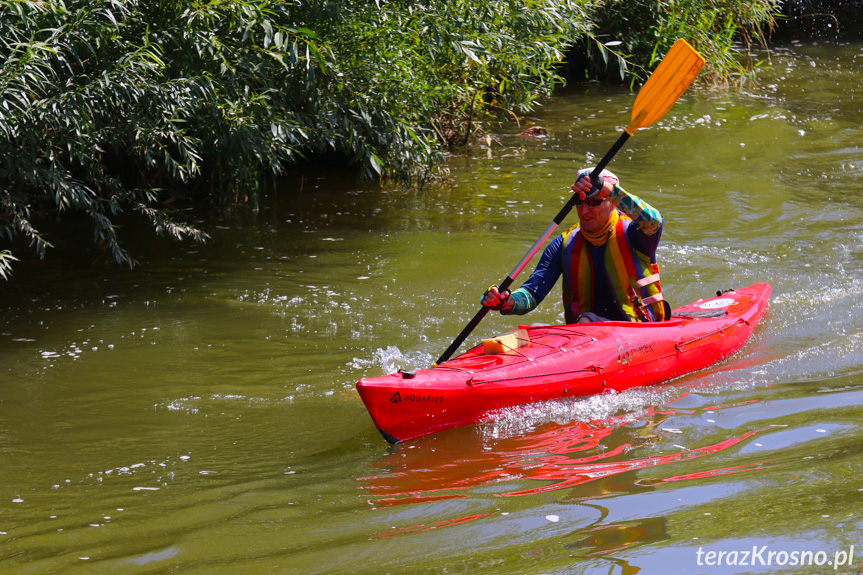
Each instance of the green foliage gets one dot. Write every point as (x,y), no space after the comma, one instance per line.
(86,119)
(643,31)
(6,259)
(110,106)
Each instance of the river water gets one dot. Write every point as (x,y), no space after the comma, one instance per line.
(199,415)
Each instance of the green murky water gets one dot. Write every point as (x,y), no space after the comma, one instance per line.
(198,415)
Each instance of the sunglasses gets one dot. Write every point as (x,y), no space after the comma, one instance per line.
(591,203)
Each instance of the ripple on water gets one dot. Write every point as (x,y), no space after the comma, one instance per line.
(684,255)
(195,404)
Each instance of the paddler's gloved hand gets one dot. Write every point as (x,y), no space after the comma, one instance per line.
(497,301)
(583,185)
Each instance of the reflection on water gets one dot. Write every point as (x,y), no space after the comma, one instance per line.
(395,532)
(559,456)
(607,539)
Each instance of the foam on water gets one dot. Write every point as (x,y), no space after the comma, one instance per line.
(512,421)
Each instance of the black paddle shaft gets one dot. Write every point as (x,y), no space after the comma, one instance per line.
(564,211)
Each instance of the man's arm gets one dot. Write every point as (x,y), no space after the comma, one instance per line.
(646,217)
(533,291)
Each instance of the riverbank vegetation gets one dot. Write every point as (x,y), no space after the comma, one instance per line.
(110,107)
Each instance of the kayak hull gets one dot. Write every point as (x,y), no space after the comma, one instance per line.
(563,361)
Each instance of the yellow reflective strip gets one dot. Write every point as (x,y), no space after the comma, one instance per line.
(584,285)
(622,285)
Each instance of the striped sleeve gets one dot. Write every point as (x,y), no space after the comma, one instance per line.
(524,302)
(648,219)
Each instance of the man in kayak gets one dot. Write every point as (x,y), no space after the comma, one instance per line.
(607,260)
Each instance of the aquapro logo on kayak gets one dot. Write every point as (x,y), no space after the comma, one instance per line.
(626,354)
(419,398)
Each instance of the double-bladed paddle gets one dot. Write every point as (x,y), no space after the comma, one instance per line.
(670,79)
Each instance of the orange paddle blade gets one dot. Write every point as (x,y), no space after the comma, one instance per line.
(670,79)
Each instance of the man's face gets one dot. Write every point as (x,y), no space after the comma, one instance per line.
(594,218)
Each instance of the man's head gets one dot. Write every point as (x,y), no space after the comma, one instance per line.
(593,214)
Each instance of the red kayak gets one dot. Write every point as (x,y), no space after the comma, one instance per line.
(538,363)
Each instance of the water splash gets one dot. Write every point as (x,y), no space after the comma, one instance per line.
(626,406)
(391,359)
